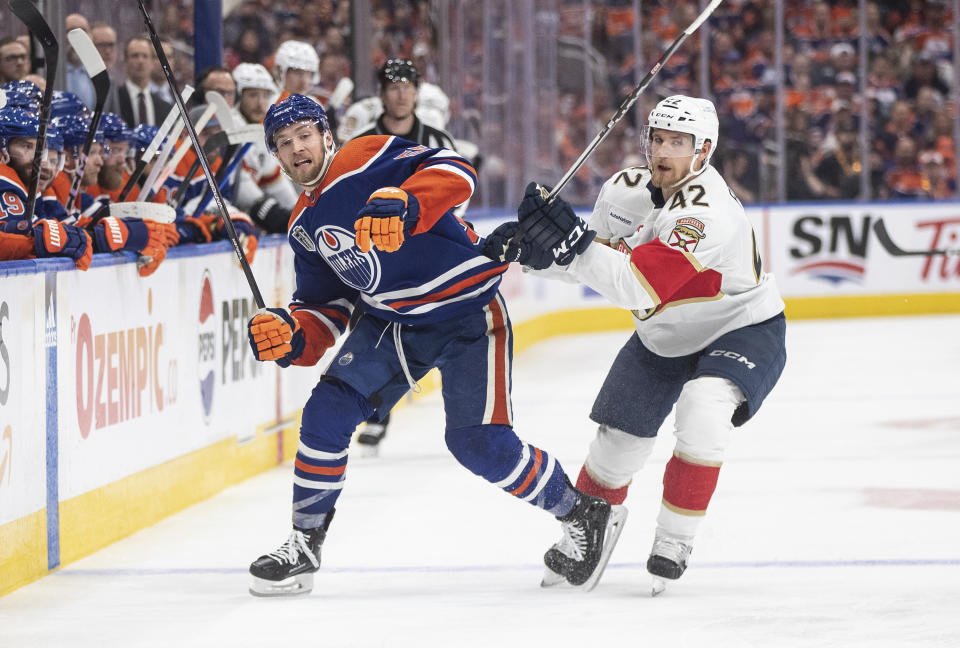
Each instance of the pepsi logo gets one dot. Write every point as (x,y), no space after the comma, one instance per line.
(206,345)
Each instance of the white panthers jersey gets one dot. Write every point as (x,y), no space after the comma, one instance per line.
(688,264)
(266,172)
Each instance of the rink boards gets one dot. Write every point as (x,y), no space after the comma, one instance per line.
(124,399)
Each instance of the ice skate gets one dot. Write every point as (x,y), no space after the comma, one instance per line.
(370,437)
(668,560)
(590,532)
(289,570)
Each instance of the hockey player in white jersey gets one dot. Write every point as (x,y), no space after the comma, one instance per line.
(270,195)
(672,244)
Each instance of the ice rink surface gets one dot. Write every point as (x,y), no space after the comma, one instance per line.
(836,523)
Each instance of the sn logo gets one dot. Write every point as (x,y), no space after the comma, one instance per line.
(733,355)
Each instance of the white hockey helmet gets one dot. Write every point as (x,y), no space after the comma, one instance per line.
(433,106)
(297,55)
(253,75)
(360,116)
(683,114)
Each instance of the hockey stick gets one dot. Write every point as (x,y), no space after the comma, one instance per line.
(97,71)
(29,16)
(154,145)
(630,100)
(880,229)
(170,166)
(239,143)
(215,141)
(161,162)
(224,216)
(223,177)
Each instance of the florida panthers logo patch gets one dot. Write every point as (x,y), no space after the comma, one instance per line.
(356,269)
(686,234)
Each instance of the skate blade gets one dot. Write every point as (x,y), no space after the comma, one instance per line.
(293,586)
(618,515)
(657,586)
(551,578)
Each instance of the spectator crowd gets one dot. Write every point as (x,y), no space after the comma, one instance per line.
(275,48)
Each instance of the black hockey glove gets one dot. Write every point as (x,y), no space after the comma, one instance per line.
(507,244)
(552,226)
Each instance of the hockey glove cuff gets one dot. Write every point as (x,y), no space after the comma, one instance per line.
(52,238)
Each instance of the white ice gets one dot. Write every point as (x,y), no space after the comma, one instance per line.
(836,523)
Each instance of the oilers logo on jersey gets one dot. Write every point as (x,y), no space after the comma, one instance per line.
(356,269)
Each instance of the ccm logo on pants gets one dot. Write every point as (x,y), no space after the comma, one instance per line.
(733,355)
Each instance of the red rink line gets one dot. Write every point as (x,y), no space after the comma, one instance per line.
(918,499)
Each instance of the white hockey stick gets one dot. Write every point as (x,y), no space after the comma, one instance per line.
(161,162)
(155,143)
(340,93)
(157,212)
(185,145)
(630,100)
(222,110)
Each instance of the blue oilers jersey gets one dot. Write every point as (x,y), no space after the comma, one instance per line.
(13,196)
(439,270)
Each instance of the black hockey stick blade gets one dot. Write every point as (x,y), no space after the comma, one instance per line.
(880,229)
(29,16)
(192,132)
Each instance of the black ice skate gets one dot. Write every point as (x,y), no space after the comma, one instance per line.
(371,436)
(590,532)
(668,559)
(289,570)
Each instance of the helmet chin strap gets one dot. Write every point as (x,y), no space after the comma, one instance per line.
(691,173)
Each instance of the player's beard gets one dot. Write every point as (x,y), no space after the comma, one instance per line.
(110,177)
(23,169)
(665,179)
(306,174)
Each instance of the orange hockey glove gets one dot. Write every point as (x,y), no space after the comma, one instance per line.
(389,212)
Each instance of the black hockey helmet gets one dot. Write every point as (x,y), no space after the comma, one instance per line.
(397,71)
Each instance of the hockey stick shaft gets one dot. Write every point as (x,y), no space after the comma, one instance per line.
(232,161)
(216,141)
(97,71)
(880,229)
(35,23)
(161,162)
(224,216)
(154,145)
(171,166)
(632,98)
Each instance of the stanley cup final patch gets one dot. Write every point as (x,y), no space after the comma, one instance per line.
(686,234)
(303,238)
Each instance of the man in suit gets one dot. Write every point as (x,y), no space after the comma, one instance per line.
(137,104)
(105,39)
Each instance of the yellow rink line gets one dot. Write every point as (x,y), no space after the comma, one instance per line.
(100,517)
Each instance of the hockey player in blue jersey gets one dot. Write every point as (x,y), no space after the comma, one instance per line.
(374,228)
